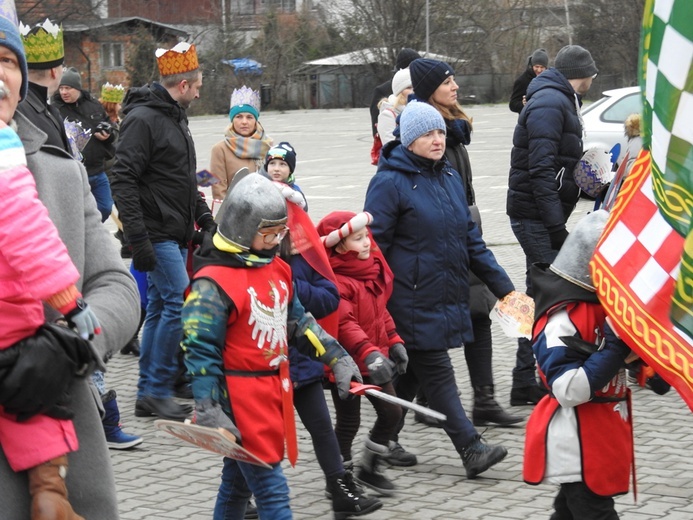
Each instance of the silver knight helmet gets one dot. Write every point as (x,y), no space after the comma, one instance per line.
(252,202)
(573,260)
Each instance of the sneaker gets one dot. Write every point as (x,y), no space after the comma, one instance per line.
(478,456)
(119,440)
(376,481)
(397,456)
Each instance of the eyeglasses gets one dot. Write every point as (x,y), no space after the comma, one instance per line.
(269,238)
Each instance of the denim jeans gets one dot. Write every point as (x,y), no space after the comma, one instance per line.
(536,244)
(432,372)
(163,331)
(240,480)
(101,190)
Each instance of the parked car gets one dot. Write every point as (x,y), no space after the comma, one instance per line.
(604,118)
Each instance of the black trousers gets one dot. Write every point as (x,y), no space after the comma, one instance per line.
(576,502)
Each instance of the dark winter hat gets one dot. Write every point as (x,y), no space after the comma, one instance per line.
(575,62)
(71,78)
(405,57)
(283,151)
(539,57)
(427,75)
(9,37)
(418,118)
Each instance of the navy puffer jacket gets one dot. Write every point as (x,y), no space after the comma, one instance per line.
(547,145)
(422,223)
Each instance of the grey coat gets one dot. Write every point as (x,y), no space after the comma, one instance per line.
(112,293)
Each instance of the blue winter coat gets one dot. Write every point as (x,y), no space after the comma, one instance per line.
(547,139)
(422,223)
(320,297)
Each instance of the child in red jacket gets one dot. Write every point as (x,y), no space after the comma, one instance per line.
(34,267)
(367,332)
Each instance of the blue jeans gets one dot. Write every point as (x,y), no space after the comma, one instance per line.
(101,190)
(163,331)
(432,372)
(536,244)
(240,480)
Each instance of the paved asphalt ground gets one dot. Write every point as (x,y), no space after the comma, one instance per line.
(166,479)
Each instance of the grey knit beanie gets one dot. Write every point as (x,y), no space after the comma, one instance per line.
(539,57)
(71,78)
(575,62)
(417,119)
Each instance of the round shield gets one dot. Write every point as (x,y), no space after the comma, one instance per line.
(593,171)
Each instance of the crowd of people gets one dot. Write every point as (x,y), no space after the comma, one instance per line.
(258,310)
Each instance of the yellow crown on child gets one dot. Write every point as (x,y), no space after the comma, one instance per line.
(112,93)
(43,45)
(181,58)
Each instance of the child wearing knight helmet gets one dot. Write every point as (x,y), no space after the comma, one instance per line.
(36,432)
(280,164)
(237,320)
(367,332)
(580,436)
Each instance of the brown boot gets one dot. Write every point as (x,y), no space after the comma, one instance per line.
(49,493)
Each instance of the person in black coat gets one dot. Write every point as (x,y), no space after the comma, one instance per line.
(542,193)
(77,105)
(537,63)
(404,58)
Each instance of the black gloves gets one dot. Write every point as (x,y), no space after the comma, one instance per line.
(557,238)
(207,224)
(380,369)
(36,373)
(143,256)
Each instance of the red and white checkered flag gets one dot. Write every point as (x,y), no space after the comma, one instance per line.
(634,268)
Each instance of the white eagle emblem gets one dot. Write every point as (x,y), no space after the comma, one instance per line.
(269,323)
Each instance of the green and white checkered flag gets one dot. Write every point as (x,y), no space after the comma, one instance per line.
(666,79)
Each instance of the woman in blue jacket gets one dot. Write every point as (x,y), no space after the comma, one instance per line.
(423,225)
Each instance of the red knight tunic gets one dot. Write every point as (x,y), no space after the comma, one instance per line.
(256,344)
(589,441)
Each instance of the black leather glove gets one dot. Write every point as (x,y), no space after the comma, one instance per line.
(380,369)
(36,373)
(209,413)
(143,256)
(557,238)
(207,224)
(398,354)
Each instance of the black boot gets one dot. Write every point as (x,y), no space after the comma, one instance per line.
(520,396)
(368,474)
(348,499)
(477,456)
(487,410)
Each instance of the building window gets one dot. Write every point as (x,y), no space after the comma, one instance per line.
(112,55)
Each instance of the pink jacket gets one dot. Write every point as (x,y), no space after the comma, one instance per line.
(34,263)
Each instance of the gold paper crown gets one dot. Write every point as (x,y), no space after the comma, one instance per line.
(112,93)
(43,45)
(182,58)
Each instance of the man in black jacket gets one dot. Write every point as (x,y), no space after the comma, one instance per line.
(45,54)
(159,203)
(547,144)
(77,105)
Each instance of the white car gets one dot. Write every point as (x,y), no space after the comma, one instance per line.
(604,118)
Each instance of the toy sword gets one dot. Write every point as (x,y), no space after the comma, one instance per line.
(373,390)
